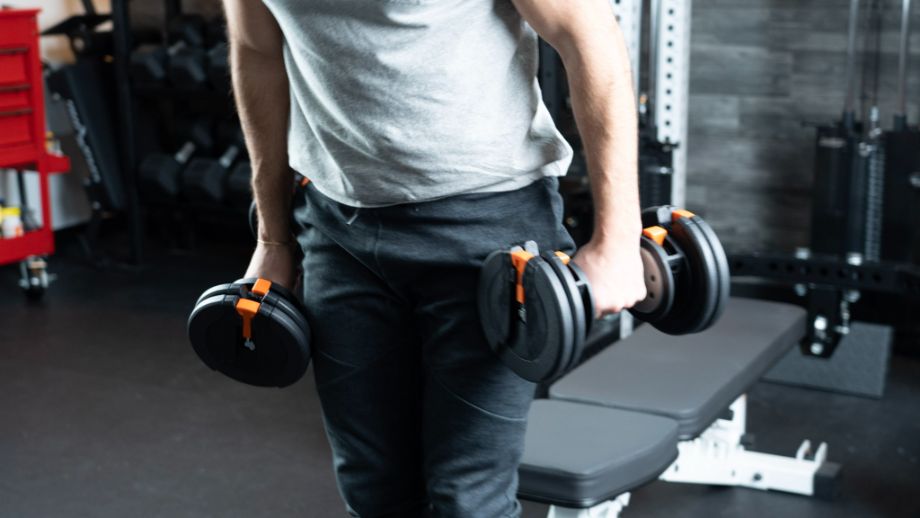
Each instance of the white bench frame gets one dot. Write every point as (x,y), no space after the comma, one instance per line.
(719,457)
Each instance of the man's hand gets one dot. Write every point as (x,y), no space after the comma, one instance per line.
(615,273)
(274,263)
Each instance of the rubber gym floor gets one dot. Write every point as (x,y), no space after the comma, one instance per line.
(108,413)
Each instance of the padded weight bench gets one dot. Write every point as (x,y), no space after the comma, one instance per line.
(621,418)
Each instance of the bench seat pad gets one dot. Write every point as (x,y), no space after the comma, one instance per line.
(579,455)
(691,379)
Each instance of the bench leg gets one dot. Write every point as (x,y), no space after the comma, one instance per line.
(718,457)
(608,509)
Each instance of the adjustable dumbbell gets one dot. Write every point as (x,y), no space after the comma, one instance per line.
(537,307)
(205,179)
(160,174)
(253,331)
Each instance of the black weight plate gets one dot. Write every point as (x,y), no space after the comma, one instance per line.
(713,284)
(495,294)
(695,294)
(659,282)
(276,298)
(545,333)
(724,275)
(271,328)
(220,289)
(279,358)
(237,287)
(587,295)
(576,306)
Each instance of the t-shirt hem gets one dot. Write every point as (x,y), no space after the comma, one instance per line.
(511,184)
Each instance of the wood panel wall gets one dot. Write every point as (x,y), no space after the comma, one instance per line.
(762,72)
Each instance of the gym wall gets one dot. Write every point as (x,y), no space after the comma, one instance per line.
(760,71)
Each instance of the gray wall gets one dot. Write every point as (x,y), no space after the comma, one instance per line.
(761,70)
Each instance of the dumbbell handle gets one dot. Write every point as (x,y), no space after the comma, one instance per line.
(176,48)
(185,152)
(229,156)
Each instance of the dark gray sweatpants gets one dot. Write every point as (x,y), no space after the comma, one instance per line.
(422,417)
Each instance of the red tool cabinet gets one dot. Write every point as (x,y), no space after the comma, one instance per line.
(22,125)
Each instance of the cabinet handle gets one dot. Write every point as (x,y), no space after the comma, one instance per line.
(11,113)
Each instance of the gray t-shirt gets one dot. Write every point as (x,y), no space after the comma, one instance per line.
(396,101)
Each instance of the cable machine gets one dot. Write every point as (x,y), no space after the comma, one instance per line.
(864,177)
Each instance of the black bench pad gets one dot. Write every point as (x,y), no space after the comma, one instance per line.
(691,379)
(579,455)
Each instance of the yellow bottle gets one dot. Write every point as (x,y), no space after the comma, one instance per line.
(12,222)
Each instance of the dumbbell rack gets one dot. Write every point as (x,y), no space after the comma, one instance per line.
(131,99)
(22,126)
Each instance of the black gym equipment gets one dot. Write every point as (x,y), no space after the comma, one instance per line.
(537,308)
(85,88)
(253,331)
(656,158)
(160,174)
(150,63)
(219,67)
(843,208)
(215,31)
(901,206)
(863,177)
(239,188)
(185,66)
(183,62)
(205,179)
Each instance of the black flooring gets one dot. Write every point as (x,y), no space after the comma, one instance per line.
(106,412)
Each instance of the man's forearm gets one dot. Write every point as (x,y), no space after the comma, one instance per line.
(603,101)
(260,87)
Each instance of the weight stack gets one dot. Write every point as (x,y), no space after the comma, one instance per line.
(901,193)
(875,185)
(839,199)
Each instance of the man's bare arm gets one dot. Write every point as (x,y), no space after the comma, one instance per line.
(260,85)
(591,45)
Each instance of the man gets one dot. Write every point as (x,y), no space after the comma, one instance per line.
(421,127)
